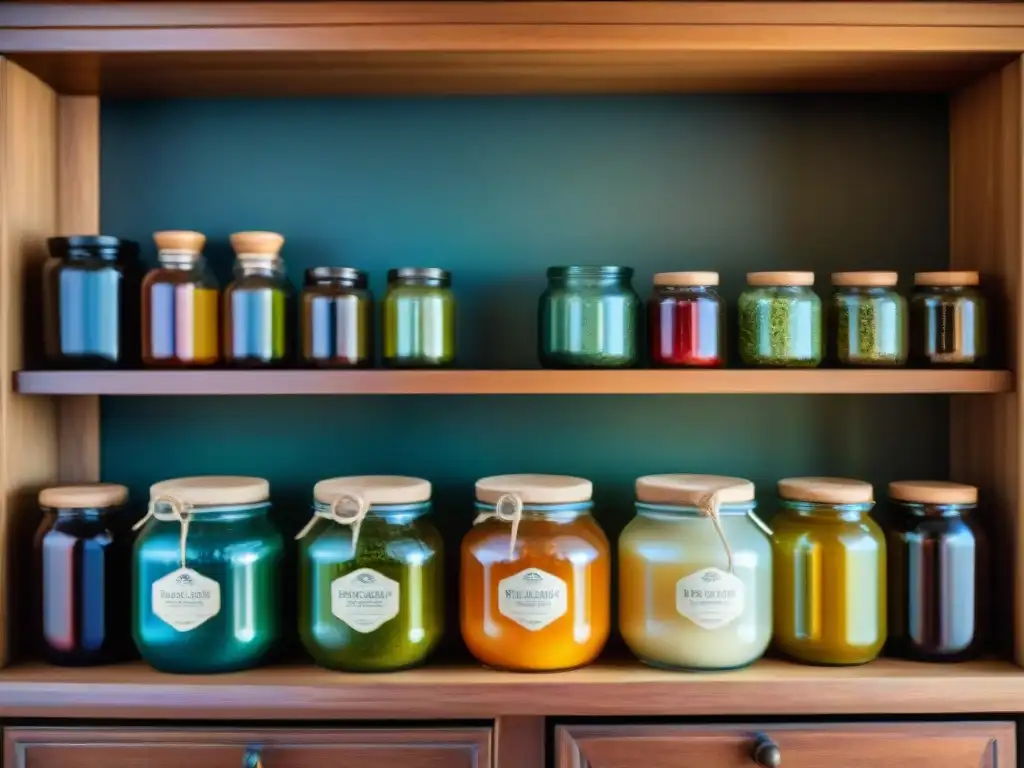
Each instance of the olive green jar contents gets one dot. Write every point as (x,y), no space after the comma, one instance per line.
(419,318)
(948,319)
(336,318)
(780,320)
(870,319)
(370,574)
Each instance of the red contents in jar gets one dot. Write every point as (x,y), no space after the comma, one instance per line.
(686,330)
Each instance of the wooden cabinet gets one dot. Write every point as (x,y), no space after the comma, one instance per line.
(902,745)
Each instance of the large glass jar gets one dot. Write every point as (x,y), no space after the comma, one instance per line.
(948,319)
(91,302)
(419,318)
(589,317)
(257,303)
(206,576)
(780,320)
(82,567)
(536,571)
(686,320)
(180,305)
(829,572)
(938,572)
(695,574)
(870,319)
(337,318)
(371,582)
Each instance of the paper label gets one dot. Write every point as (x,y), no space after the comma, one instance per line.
(710,598)
(185,599)
(364,599)
(532,598)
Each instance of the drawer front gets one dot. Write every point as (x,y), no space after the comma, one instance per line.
(200,748)
(902,745)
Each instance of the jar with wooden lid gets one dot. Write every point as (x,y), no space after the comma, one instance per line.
(686,320)
(829,572)
(180,305)
(938,558)
(337,318)
(419,318)
(82,571)
(780,320)
(535,575)
(371,574)
(206,576)
(948,319)
(258,303)
(870,319)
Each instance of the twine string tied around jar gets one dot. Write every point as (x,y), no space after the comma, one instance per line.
(499,513)
(348,509)
(709,505)
(177,511)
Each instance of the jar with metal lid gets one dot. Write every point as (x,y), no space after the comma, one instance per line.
(938,557)
(371,574)
(829,572)
(589,317)
(419,318)
(536,571)
(257,303)
(780,320)
(336,318)
(870,319)
(695,574)
(206,576)
(686,320)
(948,319)
(82,567)
(180,305)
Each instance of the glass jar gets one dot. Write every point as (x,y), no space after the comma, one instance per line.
(938,575)
(337,318)
(695,574)
(180,298)
(257,303)
(686,320)
(371,580)
(81,571)
(536,570)
(780,320)
(419,318)
(206,575)
(948,319)
(91,302)
(589,318)
(829,572)
(870,319)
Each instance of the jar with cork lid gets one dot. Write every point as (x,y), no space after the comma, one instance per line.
(948,319)
(258,303)
(686,320)
(780,320)
(870,319)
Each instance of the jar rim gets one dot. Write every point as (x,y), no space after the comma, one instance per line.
(546,509)
(420,273)
(591,271)
(336,274)
(733,508)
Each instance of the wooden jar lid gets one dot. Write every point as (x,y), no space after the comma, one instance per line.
(826,490)
(180,241)
(866,279)
(213,490)
(535,489)
(375,489)
(780,278)
(933,492)
(86,496)
(693,490)
(256,245)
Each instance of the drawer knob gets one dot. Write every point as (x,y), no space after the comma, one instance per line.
(251,759)
(766,752)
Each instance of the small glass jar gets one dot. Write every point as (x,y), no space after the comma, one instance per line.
(870,319)
(536,570)
(371,575)
(948,319)
(337,318)
(419,318)
(695,574)
(589,317)
(257,303)
(686,320)
(206,576)
(829,572)
(82,566)
(91,302)
(938,572)
(780,320)
(180,305)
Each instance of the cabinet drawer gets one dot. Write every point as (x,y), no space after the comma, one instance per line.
(864,745)
(201,748)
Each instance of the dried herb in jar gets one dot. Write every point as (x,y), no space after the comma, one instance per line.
(780,324)
(870,319)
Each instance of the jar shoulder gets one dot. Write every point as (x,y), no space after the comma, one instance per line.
(791,530)
(200,278)
(583,534)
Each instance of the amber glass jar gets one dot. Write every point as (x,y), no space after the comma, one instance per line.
(336,315)
(258,303)
(535,575)
(829,572)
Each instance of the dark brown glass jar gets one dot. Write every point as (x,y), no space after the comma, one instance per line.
(336,318)
(938,576)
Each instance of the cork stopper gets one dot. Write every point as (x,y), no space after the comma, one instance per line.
(692,490)
(212,490)
(686,279)
(88,496)
(375,489)
(826,490)
(179,241)
(946,279)
(866,279)
(534,489)
(933,492)
(780,278)
(256,245)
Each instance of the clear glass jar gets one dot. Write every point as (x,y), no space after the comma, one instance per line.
(870,319)
(371,575)
(206,576)
(337,318)
(589,317)
(948,319)
(82,566)
(257,303)
(829,572)
(686,320)
(536,571)
(780,320)
(180,305)
(419,318)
